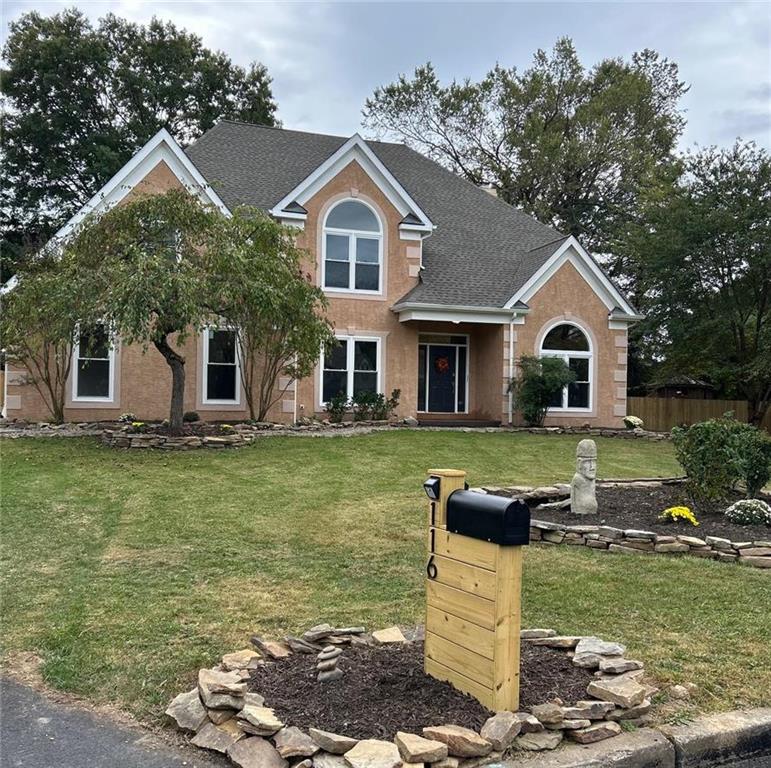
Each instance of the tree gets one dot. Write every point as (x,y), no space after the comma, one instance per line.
(568,145)
(260,291)
(39,325)
(702,251)
(539,380)
(80,100)
(147,263)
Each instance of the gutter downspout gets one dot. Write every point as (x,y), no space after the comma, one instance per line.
(511,370)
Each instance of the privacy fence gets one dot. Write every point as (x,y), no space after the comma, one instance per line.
(662,413)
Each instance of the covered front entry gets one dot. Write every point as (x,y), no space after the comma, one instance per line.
(443,373)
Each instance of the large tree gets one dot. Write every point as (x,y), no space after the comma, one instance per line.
(79,100)
(567,144)
(702,254)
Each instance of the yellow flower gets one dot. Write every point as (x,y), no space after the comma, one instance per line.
(679,513)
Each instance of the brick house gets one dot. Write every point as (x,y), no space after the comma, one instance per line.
(435,287)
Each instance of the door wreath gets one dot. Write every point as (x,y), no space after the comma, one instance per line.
(442,364)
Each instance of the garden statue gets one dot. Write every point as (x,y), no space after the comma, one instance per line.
(326,665)
(583,497)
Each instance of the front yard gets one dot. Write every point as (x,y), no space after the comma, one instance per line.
(127,571)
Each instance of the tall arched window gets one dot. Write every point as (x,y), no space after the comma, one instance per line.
(352,248)
(570,343)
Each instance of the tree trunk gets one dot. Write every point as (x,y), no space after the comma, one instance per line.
(177,364)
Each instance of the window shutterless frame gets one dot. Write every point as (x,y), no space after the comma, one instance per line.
(205,370)
(567,355)
(353,236)
(350,371)
(75,368)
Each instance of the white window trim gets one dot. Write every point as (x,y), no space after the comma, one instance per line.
(350,351)
(352,234)
(75,372)
(205,368)
(564,354)
(467,345)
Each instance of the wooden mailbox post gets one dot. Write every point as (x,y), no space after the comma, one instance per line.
(473,590)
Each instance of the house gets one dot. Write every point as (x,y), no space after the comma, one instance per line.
(435,287)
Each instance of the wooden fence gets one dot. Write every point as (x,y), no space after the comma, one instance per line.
(662,413)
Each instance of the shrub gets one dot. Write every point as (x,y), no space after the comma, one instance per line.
(126,418)
(673,514)
(754,458)
(337,406)
(749,512)
(383,407)
(191,416)
(633,422)
(539,380)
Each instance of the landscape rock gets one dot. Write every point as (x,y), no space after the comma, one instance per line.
(501,730)
(588,710)
(253,698)
(416,749)
(625,692)
(244,659)
(330,675)
(255,752)
(559,641)
(692,541)
(187,711)
(326,760)
(292,742)
(569,725)
(757,562)
(679,692)
(632,713)
(475,762)
(616,666)
(271,648)
(671,547)
(529,723)
(461,742)
(218,738)
(332,742)
(549,713)
(538,742)
(389,635)
(587,660)
(221,690)
(448,762)
(219,716)
(318,632)
(373,753)
(596,732)
(600,647)
(260,721)
(298,645)
(530,634)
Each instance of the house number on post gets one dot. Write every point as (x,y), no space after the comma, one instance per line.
(473,589)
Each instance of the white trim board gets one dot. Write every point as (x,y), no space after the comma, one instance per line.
(161,147)
(572,251)
(408,311)
(355,149)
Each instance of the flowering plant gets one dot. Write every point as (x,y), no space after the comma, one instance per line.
(633,422)
(673,514)
(749,512)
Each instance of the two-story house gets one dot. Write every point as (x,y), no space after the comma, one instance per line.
(435,287)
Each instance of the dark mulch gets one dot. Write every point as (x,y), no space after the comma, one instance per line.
(639,508)
(384,690)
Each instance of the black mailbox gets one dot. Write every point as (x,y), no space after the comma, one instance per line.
(491,518)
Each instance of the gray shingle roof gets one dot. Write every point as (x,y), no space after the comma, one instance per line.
(481,252)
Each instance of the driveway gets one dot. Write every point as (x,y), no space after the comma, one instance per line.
(38,733)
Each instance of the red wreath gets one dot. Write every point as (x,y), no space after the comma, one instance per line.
(442,364)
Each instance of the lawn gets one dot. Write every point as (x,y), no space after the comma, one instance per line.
(127,571)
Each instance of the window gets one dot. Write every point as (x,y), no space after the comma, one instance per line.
(350,368)
(93,366)
(352,248)
(571,344)
(221,375)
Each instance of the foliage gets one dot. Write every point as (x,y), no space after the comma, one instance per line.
(701,254)
(374,406)
(39,325)
(127,418)
(539,380)
(80,100)
(336,407)
(190,416)
(673,514)
(145,260)
(633,422)
(567,144)
(717,454)
(749,512)
(257,286)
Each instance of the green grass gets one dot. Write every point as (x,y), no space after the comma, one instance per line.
(127,571)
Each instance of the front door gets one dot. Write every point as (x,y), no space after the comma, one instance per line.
(441,379)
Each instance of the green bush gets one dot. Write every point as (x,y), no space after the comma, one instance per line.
(374,406)
(190,416)
(540,378)
(337,406)
(718,454)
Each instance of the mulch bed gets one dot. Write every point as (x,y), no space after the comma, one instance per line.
(384,690)
(639,508)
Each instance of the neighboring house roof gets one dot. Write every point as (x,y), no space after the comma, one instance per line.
(482,250)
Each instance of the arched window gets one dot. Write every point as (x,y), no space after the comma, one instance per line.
(352,248)
(571,344)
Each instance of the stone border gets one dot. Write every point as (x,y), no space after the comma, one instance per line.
(220,715)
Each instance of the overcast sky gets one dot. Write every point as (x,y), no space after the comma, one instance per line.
(326,58)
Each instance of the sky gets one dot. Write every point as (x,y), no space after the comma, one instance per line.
(327,58)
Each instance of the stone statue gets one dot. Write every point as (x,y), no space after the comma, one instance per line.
(583,496)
